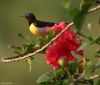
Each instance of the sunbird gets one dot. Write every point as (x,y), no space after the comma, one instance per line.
(37,27)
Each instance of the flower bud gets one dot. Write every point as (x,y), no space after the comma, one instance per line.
(62,62)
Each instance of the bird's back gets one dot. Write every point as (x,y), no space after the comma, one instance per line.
(43,24)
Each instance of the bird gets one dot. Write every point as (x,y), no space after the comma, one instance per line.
(37,27)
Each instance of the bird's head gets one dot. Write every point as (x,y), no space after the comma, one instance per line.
(30,17)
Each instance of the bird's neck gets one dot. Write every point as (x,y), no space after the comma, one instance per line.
(30,21)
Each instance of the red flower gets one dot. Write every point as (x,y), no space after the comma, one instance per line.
(63,46)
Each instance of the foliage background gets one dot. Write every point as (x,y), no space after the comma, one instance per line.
(11,24)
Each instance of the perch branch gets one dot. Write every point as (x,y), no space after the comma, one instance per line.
(94,9)
(16,58)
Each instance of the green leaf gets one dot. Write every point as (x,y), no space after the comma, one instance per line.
(14,47)
(88,62)
(21,35)
(66,82)
(79,16)
(46,79)
(59,82)
(65,3)
(81,4)
(96,40)
(73,12)
(42,41)
(17,49)
(98,82)
(58,73)
(79,57)
(26,38)
(95,68)
(37,45)
(29,60)
(88,2)
(83,46)
(97,55)
(51,33)
(28,48)
(85,2)
(72,67)
(25,48)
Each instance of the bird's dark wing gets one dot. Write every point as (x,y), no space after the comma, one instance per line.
(44,24)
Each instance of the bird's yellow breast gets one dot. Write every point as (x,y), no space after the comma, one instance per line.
(33,29)
(36,30)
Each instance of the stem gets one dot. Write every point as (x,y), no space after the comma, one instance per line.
(89,38)
(94,9)
(68,73)
(94,77)
(82,1)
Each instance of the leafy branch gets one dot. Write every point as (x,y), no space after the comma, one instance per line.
(24,56)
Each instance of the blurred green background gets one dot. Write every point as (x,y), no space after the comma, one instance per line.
(11,24)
